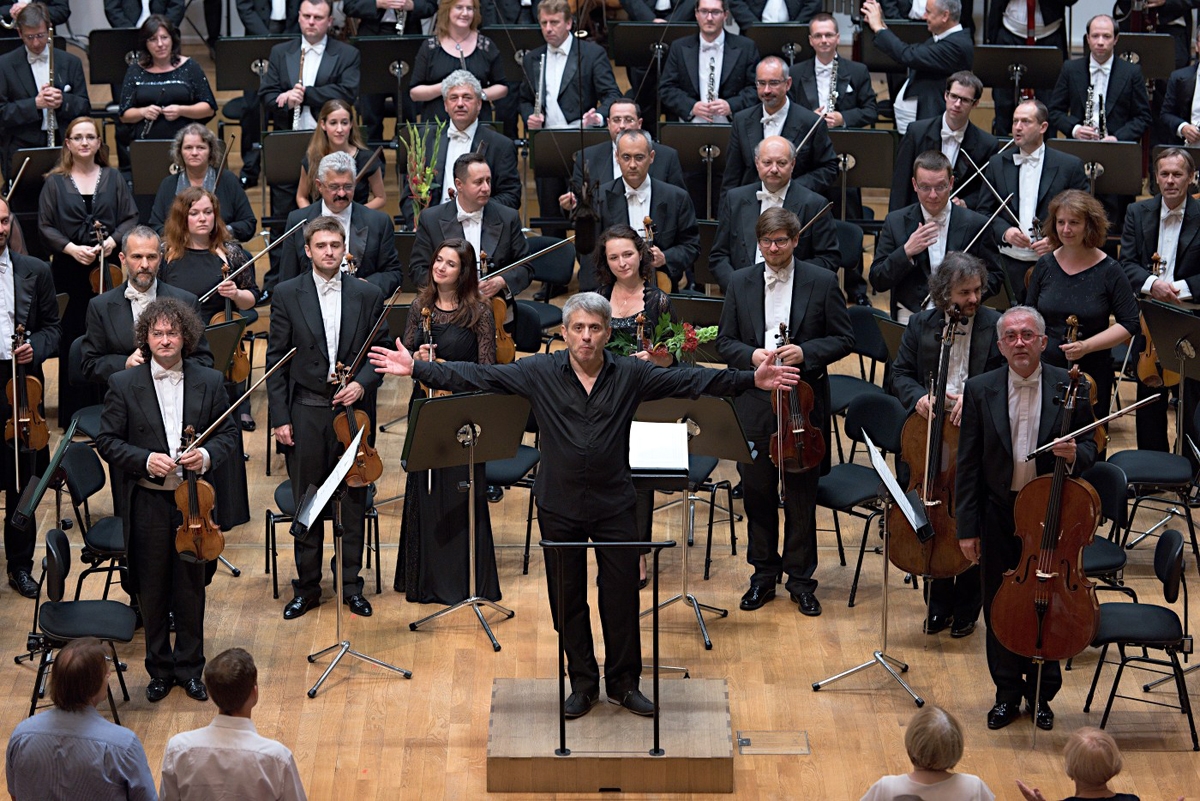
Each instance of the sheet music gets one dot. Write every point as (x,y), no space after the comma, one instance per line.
(889,480)
(331,483)
(658,446)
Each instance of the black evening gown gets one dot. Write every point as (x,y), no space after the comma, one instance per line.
(432,566)
(434,65)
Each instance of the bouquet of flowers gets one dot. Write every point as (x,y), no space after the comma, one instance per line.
(421,165)
(678,339)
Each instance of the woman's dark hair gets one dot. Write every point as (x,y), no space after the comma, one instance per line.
(470,302)
(151,26)
(621,231)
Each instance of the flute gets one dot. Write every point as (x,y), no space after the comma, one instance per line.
(833,90)
(539,99)
(51,114)
(299,106)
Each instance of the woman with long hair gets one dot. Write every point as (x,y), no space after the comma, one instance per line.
(432,563)
(196,153)
(79,192)
(456,44)
(336,131)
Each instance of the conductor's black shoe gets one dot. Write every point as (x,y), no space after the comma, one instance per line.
(635,702)
(808,603)
(359,605)
(495,494)
(964,630)
(937,623)
(158,689)
(1044,717)
(298,606)
(22,582)
(196,689)
(756,597)
(579,704)
(1003,714)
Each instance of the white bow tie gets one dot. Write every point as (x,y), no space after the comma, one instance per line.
(1175,214)
(133,296)
(43,58)
(631,194)
(459,136)
(771,118)
(1102,69)
(1032,159)
(1024,383)
(175,376)
(329,287)
(781,277)
(710,47)
(940,218)
(763,194)
(953,136)
(557,51)
(471,216)
(314,50)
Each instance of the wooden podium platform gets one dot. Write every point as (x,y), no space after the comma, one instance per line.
(610,747)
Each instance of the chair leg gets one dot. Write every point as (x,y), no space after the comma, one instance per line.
(274,563)
(1185,703)
(1187,513)
(267,543)
(119,669)
(732,517)
(1116,682)
(528,535)
(1087,705)
(39,679)
(837,437)
(378,560)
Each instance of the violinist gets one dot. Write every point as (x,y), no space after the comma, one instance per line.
(26,298)
(1007,413)
(953,602)
(782,289)
(145,412)
(433,531)
(327,315)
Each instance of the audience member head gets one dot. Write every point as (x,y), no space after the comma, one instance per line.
(232,681)
(933,739)
(80,675)
(1092,759)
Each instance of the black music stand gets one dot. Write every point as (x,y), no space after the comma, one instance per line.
(640,44)
(912,507)
(8,45)
(308,512)
(53,476)
(553,150)
(514,41)
(1177,333)
(111,51)
(1153,52)
(784,39)
(449,432)
(876,60)
(387,61)
(150,160)
(1111,167)
(702,148)
(41,161)
(865,158)
(237,60)
(1034,66)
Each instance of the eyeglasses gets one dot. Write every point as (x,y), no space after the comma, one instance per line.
(959,99)
(335,188)
(925,189)
(35,37)
(81,138)
(709,12)
(1012,337)
(774,83)
(777,242)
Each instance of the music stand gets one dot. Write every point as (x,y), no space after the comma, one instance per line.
(702,148)
(1111,167)
(514,41)
(52,476)
(110,53)
(713,429)
(308,512)
(449,432)
(29,190)
(1153,52)
(150,160)
(223,340)
(1177,332)
(907,32)
(1032,66)
(640,44)
(236,60)
(865,159)
(8,45)
(785,39)
(912,507)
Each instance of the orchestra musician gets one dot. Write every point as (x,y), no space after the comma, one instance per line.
(132,13)
(709,77)
(146,411)
(336,131)
(29,301)
(644,82)
(748,13)
(954,603)
(1007,413)
(456,45)
(584,398)
(260,18)
(382,18)
(328,317)
(856,100)
(782,290)
(1008,24)
(1179,119)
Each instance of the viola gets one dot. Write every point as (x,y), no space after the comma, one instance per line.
(1072,335)
(506,348)
(367,466)
(427,329)
(1149,371)
(1046,607)
(239,369)
(661,276)
(24,397)
(199,538)
(930,449)
(104,276)
(797,444)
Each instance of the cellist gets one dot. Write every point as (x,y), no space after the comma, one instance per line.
(1007,413)
(959,281)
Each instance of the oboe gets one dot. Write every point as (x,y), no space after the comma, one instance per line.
(712,79)
(51,114)
(833,89)
(149,123)
(1089,108)
(299,106)
(1102,119)
(539,99)
(401,20)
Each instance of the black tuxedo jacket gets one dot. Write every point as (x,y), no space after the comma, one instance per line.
(108,340)
(909,280)
(373,245)
(1139,241)
(819,323)
(499,236)
(929,64)
(1060,171)
(748,13)
(499,152)
(370,17)
(1177,104)
(643,11)
(816,163)
(676,233)
(921,349)
(125,13)
(678,86)
(337,77)
(256,16)
(735,244)
(599,162)
(1126,104)
(36,307)
(587,70)
(1052,11)
(925,135)
(856,96)
(20,118)
(296,322)
(985,457)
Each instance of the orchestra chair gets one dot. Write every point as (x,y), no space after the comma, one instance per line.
(700,470)
(1141,627)
(702,274)
(88,418)
(850,245)
(282,152)
(104,547)
(1104,560)
(287,513)
(56,622)
(519,470)
(556,267)
(868,347)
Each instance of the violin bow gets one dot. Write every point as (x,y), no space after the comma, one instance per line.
(1092,426)
(252,259)
(12,187)
(362,353)
(978,169)
(370,163)
(1003,203)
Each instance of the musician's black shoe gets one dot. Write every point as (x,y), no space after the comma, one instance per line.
(248,181)
(756,597)
(264,298)
(158,689)
(736,492)
(635,702)
(937,623)
(964,630)
(495,494)
(1003,714)
(359,605)
(808,603)
(579,704)
(861,299)
(247,423)
(298,606)
(1044,717)
(196,690)
(22,582)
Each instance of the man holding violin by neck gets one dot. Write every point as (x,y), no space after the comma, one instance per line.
(327,317)
(958,285)
(1007,413)
(783,290)
(146,411)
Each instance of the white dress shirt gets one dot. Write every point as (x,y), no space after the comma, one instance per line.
(40,65)
(8,305)
(712,58)
(823,73)
(773,123)
(138,301)
(329,294)
(936,252)
(905,109)
(1099,74)
(775,11)
(279,9)
(556,64)
(169,389)
(917,9)
(639,204)
(145,12)
(960,358)
(1024,418)
(313,53)
(777,303)
(458,144)
(1195,115)
(952,141)
(1170,225)
(229,759)
(1016,20)
(472,225)
(1029,179)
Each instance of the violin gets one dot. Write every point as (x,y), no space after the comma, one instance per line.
(427,329)
(199,538)
(24,397)
(506,348)
(930,449)
(797,445)
(104,276)
(367,467)
(1046,607)
(1149,371)
(661,276)
(239,369)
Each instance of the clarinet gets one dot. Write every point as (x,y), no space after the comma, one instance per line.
(300,106)
(833,90)
(712,79)
(401,20)
(51,114)
(539,99)
(1102,118)
(1089,108)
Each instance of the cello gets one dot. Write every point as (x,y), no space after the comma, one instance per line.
(797,445)
(199,538)
(930,448)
